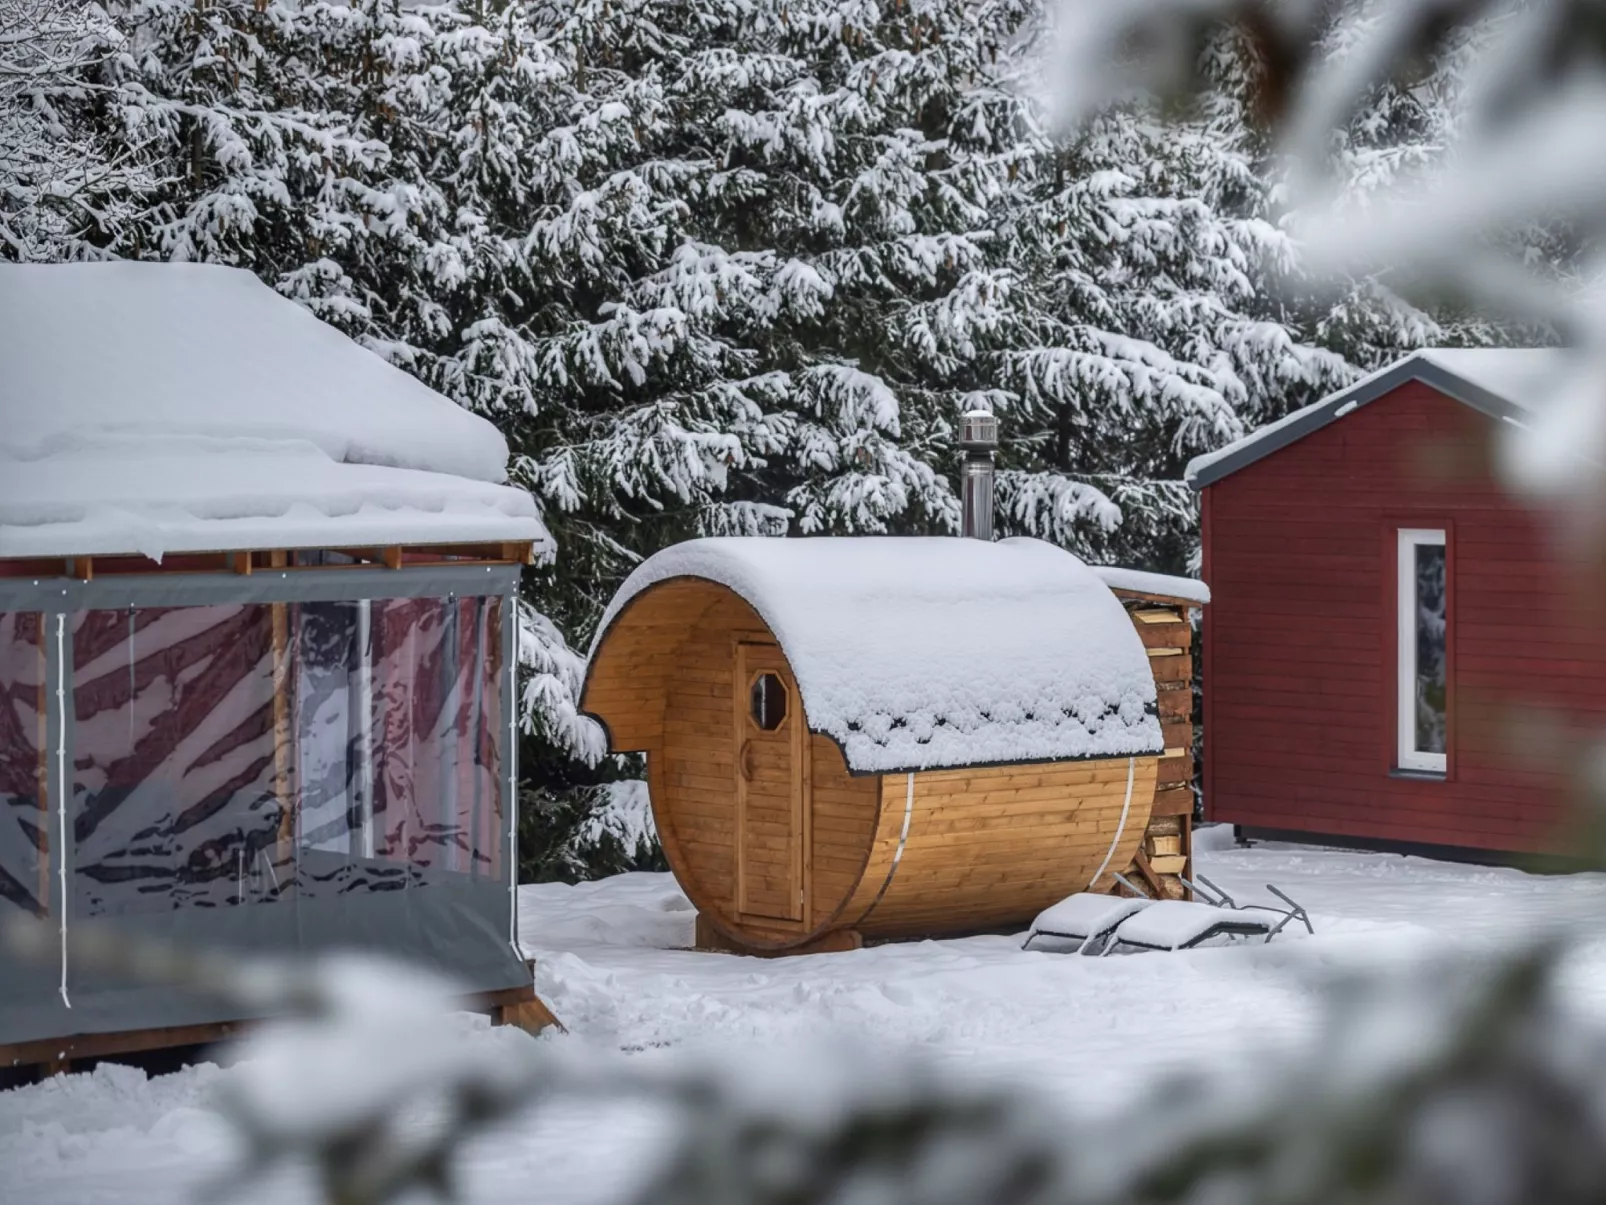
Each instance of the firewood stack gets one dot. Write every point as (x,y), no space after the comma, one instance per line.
(1165,857)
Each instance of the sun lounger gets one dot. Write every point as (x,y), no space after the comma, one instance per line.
(1211,894)
(1086,917)
(1183,924)
(1100,923)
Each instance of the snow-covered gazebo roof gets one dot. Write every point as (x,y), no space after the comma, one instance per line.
(158,408)
(920,653)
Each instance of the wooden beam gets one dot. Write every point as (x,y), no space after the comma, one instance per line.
(507,1006)
(372,556)
(46,1052)
(35,567)
(1169,600)
(240,562)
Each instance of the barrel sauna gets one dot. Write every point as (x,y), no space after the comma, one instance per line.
(878,737)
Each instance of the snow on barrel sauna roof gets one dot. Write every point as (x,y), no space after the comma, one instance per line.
(920,653)
(156,408)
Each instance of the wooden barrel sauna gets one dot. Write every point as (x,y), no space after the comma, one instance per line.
(786,831)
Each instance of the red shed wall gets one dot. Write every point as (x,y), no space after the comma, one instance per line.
(1299,647)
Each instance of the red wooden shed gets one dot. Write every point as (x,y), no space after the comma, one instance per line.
(1396,653)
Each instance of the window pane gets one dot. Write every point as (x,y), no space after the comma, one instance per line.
(1430,649)
(437,729)
(175,790)
(768,702)
(329,756)
(24,868)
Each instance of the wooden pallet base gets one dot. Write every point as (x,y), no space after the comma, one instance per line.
(518,1006)
(711,940)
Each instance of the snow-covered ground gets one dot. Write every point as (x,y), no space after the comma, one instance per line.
(613,966)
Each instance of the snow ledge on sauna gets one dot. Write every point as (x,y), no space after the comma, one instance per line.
(917,653)
(1158,585)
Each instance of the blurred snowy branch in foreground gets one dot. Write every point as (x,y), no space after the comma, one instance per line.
(1523,154)
(1463,1081)
(358,1074)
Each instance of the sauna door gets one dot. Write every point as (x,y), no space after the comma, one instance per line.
(770,743)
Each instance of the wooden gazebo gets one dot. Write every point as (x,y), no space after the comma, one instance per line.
(256,649)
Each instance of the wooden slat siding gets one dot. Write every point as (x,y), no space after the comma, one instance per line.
(959,873)
(626,685)
(842,823)
(1299,687)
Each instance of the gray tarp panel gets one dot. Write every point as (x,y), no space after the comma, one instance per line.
(331,772)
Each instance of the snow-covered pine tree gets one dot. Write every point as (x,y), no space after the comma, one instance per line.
(67,188)
(1406,129)
(1144,324)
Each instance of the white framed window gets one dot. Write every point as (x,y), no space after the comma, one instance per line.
(1422,669)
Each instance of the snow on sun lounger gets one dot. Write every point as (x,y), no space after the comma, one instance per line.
(1087,917)
(1181,925)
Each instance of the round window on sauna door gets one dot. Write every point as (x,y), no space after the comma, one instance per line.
(767,702)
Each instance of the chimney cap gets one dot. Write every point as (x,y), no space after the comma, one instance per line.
(978,431)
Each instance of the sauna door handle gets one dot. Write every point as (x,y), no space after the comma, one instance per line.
(745,761)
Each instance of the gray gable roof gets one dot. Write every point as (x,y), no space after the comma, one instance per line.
(1504,383)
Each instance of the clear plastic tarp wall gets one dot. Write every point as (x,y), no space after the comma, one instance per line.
(263,775)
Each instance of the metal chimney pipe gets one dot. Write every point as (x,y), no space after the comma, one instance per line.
(978,439)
